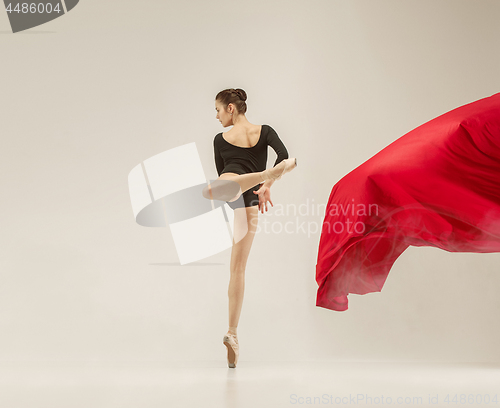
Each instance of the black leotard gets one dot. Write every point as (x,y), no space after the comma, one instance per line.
(240,160)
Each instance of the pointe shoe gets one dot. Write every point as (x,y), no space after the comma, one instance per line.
(277,171)
(231,342)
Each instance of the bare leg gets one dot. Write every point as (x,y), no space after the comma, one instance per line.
(239,256)
(233,186)
(246,181)
(229,186)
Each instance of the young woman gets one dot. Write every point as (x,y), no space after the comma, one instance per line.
(240,158)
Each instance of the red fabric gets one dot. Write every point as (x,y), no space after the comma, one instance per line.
(438,185)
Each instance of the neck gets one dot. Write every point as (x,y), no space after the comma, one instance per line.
(240,121)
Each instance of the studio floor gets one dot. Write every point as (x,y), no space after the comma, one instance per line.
(252,384)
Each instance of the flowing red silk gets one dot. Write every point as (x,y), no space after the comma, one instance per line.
(438,185)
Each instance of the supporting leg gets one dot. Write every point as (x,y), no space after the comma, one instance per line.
(239,256)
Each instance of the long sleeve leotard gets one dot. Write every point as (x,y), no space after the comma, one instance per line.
(240,160)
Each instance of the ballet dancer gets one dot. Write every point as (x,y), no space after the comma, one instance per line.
(241,157)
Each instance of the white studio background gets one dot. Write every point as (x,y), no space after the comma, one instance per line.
(88,96)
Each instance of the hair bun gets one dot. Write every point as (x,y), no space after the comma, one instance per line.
(241,93)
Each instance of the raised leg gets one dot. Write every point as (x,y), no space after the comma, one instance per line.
(229,186)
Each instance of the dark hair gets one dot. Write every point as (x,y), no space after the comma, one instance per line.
(235,96)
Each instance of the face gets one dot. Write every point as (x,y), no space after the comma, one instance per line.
(223,116)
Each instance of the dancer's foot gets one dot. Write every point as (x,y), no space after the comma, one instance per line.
(231,342)
(281,168)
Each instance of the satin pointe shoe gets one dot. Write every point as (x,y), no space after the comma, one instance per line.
(231,342)
(281,168)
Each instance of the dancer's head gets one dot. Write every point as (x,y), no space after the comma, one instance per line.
(229,104)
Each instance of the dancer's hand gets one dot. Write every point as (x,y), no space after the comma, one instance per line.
(264,196)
